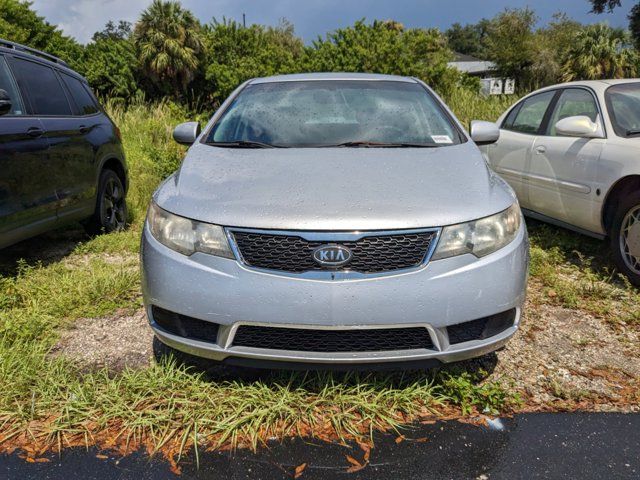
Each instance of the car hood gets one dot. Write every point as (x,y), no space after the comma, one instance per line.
(334,188)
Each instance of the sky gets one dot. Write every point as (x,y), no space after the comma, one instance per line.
(81,18)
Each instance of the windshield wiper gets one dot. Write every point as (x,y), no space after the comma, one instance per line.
(243,144)
(366,144)
(633,132)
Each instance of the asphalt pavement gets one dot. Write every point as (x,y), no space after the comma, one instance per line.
(528,446)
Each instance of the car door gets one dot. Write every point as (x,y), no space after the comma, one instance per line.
(511,155)
(28,199)
(562,174)
(68,149)
(87,123)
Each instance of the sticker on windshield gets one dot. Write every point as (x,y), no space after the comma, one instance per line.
(441,138)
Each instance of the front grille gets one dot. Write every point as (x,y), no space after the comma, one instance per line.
(185,326)
(312,340)
(481,328)
(371,254)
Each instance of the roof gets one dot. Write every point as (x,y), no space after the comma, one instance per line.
(596,85)
(18,49)
(297,77)
(463,57)
(471,64)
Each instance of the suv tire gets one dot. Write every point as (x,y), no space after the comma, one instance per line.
(110,214)
(626,254)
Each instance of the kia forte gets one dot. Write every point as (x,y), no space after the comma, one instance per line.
(334,221)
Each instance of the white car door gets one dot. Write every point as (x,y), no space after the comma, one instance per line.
(562,179)
(511,155)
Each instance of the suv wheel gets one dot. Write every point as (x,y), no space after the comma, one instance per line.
(111,208)
(625,237)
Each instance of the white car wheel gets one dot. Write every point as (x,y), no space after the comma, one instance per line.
(630,239)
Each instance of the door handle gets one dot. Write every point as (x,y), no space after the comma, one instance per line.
(35,132)
(541,149)
(83,129)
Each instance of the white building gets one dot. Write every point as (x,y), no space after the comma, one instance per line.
(489,84)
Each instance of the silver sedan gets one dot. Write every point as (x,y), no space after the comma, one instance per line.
(334,220)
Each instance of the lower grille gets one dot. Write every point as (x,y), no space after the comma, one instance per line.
(185,326)
(312,340)
(481,328)
(370,254)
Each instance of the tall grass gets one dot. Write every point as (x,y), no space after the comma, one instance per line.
(468,105)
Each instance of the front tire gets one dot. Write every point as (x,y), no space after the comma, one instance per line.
(111,208)
(625,237)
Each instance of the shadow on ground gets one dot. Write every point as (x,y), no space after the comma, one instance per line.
(479,370)
(44,249)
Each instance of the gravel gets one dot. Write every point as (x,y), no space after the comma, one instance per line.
(560,359)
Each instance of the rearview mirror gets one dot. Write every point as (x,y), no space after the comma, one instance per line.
(5,102)
(484,133)
(578,126)
(186,133)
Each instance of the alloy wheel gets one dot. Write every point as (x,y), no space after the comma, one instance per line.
(113,207)
(630,239)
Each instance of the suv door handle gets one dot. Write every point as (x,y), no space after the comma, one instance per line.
(35,132)
(541,149)
(83,129)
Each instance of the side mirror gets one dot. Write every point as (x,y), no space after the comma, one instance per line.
(186,133)
(484,133)
(578,126)
(5,102)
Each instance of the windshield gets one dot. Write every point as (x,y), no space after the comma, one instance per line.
(623,102)
(334,113)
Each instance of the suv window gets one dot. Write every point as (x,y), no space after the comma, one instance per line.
(530,113)
(8,84)
(41,86)
(82,98)
(572,102)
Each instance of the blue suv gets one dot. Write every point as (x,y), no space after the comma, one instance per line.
(61,158)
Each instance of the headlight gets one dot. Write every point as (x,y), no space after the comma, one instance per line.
(187,236)
(480,237)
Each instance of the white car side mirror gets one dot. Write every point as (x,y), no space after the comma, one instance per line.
(578,126)
(484,133)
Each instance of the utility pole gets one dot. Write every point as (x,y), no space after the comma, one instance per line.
(244,20)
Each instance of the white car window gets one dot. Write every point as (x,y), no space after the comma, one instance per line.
(530,113)
(573,102)
(623,102)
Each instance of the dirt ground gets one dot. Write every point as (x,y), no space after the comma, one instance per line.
(116,342)
(559,359)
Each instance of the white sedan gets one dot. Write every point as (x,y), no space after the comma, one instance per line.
(572,154)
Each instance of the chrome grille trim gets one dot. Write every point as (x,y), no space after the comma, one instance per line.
(337,237)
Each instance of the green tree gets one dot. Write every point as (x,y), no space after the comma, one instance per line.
(601,6)
(110,62)
(552,45)
(600,51)
(19,23)
(511,43)
(235,54)
(385,47)
(468,39)
(168,45)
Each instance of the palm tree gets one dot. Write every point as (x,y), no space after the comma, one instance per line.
(598,52)
(168,43)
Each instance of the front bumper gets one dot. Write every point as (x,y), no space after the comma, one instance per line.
(440,294)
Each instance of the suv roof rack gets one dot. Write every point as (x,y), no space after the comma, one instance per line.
(33,51)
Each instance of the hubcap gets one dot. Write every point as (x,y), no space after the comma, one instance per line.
(630,239)
(113,206)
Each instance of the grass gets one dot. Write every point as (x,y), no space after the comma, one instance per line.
(47,401)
